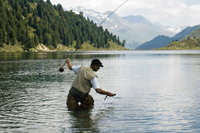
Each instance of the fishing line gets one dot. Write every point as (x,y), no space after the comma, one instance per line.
(112,12)
(104,21)
(61,69)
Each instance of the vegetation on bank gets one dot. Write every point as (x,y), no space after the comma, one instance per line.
(32,25)
(60,47)
(189,42)
(192,43)
(194,34)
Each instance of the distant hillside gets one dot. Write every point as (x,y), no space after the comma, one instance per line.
(134,29)
(185,44)
(161,41)
(136,19)
(157,42)
(28,23)
(194,34)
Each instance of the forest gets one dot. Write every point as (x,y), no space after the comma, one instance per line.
(31,22)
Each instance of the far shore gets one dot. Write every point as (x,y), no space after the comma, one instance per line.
(60,48)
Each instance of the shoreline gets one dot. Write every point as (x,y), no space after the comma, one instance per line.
(59,48)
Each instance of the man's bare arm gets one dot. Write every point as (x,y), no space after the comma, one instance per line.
(68,61)
(100,91)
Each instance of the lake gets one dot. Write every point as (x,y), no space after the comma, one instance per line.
(157,91)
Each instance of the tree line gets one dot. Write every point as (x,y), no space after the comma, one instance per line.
(30,22)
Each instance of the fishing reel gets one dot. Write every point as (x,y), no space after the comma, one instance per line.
(61,69)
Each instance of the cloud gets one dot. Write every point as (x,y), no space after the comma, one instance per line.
(182,12)
(165,11)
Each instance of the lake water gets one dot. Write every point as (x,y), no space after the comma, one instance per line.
(157,91)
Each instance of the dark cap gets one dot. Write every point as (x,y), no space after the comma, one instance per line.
(96,62)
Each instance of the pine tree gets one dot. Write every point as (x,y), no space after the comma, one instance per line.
(1,3)
(78,43)
(55,38)
(60,9)
(47,39)
(48,2)
(35,12)
(13,37)
(26,3)
(25,13)
(40,10)
(106,39)
(11,2)
(118,41)
(65,40)
(29,43)
(92,39)
(16,7)
(29,8)
(36,40)
(35,22)
(41,38)
(1,38)
(19,16)
(98,43)
(30,21)
(39,29)
(69,39)
(123,43)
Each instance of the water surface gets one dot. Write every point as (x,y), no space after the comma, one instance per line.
(157,91)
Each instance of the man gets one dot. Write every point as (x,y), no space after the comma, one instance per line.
(84,81)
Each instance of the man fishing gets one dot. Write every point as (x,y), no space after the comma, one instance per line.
(84,81)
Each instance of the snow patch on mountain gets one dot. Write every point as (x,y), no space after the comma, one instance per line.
(175,29)
(172,28)
(134,29)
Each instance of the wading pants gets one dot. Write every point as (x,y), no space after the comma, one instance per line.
(75,96)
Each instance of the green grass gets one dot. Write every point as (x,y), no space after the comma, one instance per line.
(33,6)
(87,47)
(10,48)
(114,46)
(186,44)
(60,47)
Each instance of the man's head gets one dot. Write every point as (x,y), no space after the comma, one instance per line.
(96,64)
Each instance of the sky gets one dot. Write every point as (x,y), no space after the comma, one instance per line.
(166,12)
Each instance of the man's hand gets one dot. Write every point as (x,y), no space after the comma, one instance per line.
(110,94)
(68,60)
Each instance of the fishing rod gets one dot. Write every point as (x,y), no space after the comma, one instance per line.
(61,68)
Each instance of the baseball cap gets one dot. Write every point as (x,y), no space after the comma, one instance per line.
(96,62)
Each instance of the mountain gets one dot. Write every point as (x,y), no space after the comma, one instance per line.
(134,29)
(194,34)
(137,19)
(173,28)
(157,42)
(161,41)
(140,19)
(184,44)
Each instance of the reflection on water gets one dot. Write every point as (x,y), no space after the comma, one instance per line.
(157,91)
(54,55)
(83,121)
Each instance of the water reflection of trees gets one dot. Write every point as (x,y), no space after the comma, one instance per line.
(56,55)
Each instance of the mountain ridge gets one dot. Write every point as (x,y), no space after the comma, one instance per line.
(134,32)
(162,41)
